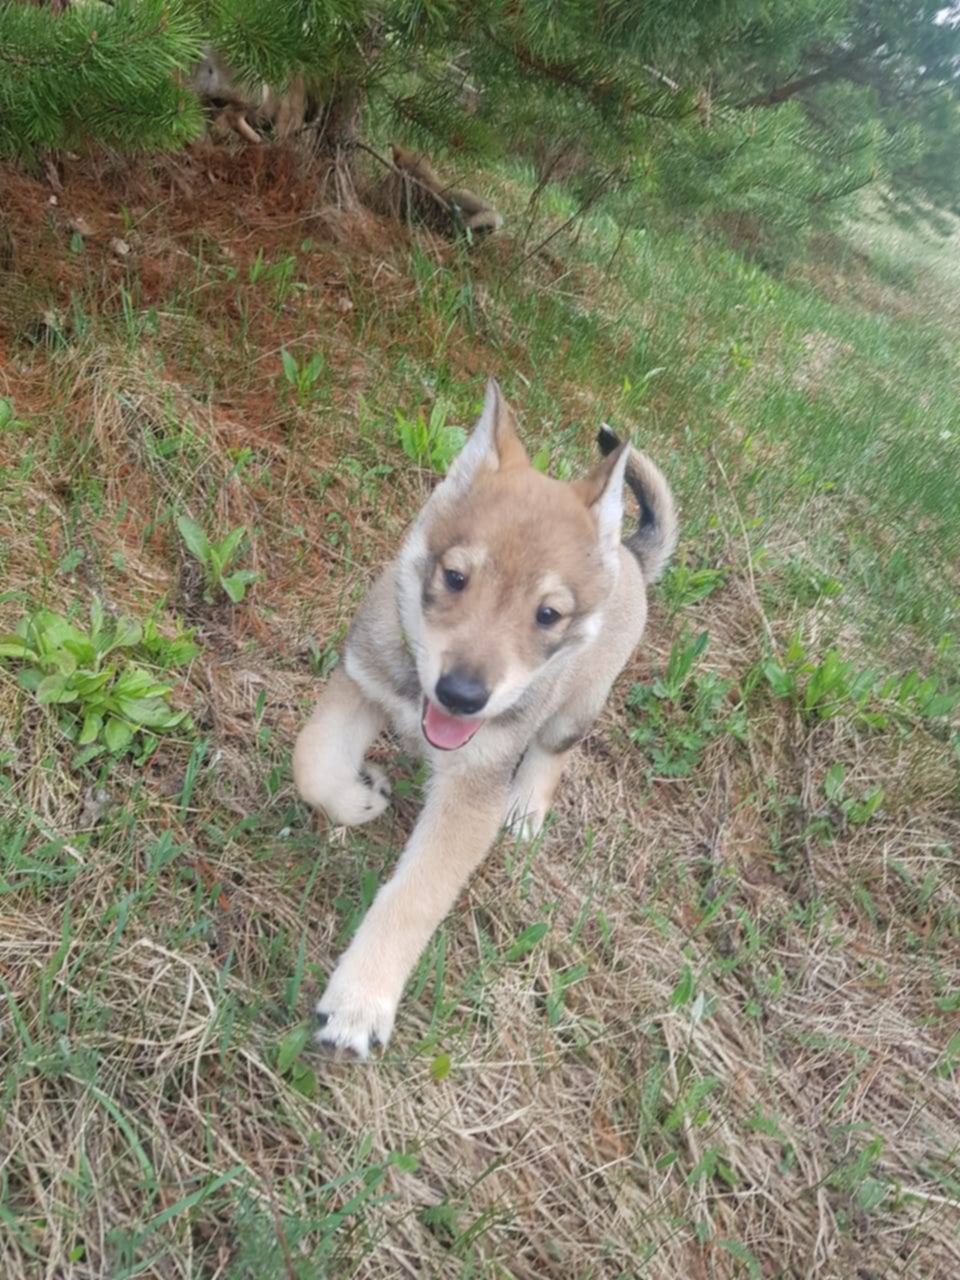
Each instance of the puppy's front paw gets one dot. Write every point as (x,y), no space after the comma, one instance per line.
(525,827)
(353,1018)
(361,799)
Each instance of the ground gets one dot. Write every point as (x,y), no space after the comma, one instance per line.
(707,1026)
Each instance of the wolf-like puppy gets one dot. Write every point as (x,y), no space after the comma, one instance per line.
(230,105)
(490,644)
(449,210)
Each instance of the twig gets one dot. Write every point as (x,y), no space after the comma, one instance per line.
(578,213)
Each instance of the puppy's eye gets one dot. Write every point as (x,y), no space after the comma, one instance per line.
(454,579)
(547,617)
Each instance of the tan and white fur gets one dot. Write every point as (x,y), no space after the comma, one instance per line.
(232,105)
(490,645)
(422,194)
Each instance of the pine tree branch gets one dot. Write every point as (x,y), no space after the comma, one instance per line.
(558,73)
(56,58)
(839,68)
(603,91)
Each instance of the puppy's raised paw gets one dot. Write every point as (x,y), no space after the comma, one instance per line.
(354,1022)
(525,826)
(360,800)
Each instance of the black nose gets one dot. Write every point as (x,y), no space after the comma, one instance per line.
(462,693)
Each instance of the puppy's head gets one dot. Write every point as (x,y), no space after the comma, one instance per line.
(504,571)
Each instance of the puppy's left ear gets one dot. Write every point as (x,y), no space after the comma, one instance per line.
(493,445)
(601,491)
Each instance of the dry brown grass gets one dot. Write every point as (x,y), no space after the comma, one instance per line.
(793,1112)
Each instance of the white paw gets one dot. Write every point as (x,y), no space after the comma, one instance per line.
(525,827)
(353,1019)
(361,799)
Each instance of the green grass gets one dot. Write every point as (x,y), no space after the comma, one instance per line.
(707,1023)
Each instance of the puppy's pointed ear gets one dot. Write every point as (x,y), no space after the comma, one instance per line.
(601,491)
(493,444)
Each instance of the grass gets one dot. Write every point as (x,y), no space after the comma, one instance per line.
(707,1024)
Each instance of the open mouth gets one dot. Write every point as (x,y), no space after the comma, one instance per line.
(446,732)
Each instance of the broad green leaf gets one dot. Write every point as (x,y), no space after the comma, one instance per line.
(940,704)
(404,1160)
(194,537)
(871,1193)
(128,633)
(51,630)
(87,683)
(779,680)
(833,782)
(83,650)
(96,615)
(234,589)
(440,1067)
(179,652)
(290,366)
(63,660)
(71,560)
(92,724)
(227,547)
(118,734)
(290,1048)
(683,992)
(151,712)
(541,459)
(137,683)
(13,647)
(56,689)
(871,802)
(526,941)
(304,1080)
(235,585)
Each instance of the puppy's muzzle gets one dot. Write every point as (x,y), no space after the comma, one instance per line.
(462,692)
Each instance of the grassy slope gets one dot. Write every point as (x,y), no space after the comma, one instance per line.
(732,1049)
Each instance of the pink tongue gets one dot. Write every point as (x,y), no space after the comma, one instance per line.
(447,732)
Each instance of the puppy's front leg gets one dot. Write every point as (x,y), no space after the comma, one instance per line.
(532,791)
(460,821)
(328,759)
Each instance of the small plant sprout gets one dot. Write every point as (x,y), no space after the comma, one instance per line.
(304,379)
(684,586)
(8,418)
(836,687)
(852,810)
(683,711)
(103,699)
(430,442)
(216,559)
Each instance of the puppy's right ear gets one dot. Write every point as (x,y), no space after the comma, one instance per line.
(493,445)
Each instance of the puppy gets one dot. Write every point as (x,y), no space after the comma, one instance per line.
(230,105)
(490,645)
(421,195)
